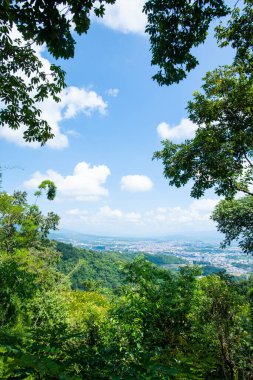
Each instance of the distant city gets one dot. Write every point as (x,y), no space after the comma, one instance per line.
(203,253)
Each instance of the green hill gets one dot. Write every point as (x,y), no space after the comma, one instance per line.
(88,268)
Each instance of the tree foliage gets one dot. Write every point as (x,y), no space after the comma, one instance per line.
(175,27)
(235,221)
(221,321)
(91,270)
(23,225)
(24,82)
(51,22)
(220,154)
(49,186)
(157,325)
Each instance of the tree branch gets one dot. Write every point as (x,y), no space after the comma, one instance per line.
(247,159)
(243,190)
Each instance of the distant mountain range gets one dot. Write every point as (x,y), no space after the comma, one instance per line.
(206,236)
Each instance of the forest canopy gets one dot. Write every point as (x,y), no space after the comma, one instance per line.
(123,318)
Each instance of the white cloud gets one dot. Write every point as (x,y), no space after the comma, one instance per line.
(158,221)
(113,92)
(136,183)
(184,130)
(125,16)
(85,184)
(105,215)
(204,205)
(74,101)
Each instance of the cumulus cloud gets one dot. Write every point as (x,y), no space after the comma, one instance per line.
(85,184)
(161,220)
(74,101)
(184,130)
(106,215)
(125,16)
(204,205)
(136,183)
(16,137)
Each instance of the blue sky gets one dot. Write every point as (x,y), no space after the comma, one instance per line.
(111,119)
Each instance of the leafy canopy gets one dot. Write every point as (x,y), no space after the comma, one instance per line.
(156,325)
(50,22)
(23,225)
(235,220)
(24,82)
(175,27)
(220,154)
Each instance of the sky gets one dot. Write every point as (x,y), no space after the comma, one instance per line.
(111,119)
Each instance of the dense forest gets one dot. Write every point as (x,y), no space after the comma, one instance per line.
(104,269)
(67,313)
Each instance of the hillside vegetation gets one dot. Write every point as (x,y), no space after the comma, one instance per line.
(88,268)
(60,322)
